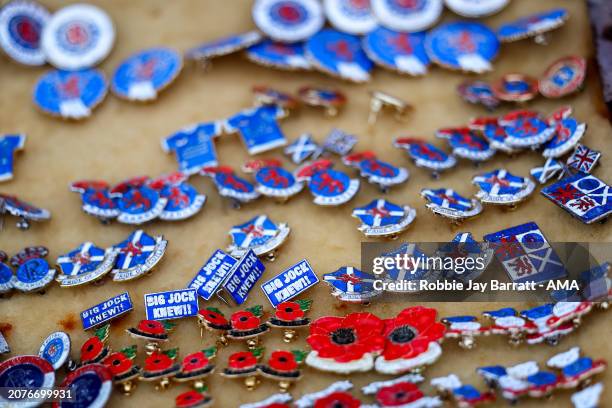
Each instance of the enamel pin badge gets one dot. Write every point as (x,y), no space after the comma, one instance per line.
(426,155)
(588,397)
(376,171)
(409,273)
(329,187)
(32,372)
(172,304)
(515,88)
(153,332)
(568,132)
(137,201)
(137,255)
(549,170)
(96,199)
(220,47)
(450,204)
(301,148)
(397,51)
(465,246)
(381,218)
(288,21)
(259,234)
(194,146)
(466,144)
(106,311)
(349,284)
(122,367)
(238,190)
(494,133)
(9,145)
(265,95)
(272,179)
(382,100)
(212,274)
(476,8)
(464,395)
(583,159)
(528,132)
(56,349)
(92,382)
(500,187)
(258,128)
(33,272)
(279,55)
(24,211)
(478,92)
(7,278)
(348,16)
(21,26)
(182,199)
(85,264)
(534,26)
(290,316)
(407,16)
(331,100)
(338,142)
(563,77)
(401,392)
(161,367)
(290,283)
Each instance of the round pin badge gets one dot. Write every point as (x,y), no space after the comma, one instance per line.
(6,275)
(339,54)
(33,271)
(70,94)
(32,372)
(56,349)
(288,20)
(350,16)
(563,77)
(400,52)
(78,36)
(143,75)
(279,55)
(515,88)
(21,26)
(464,46)
(534,25)
(91,386)
(476,8)
(478,92)
(407,16)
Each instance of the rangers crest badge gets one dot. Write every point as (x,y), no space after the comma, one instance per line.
(399,52)
(426,155)
(533,26)
(476,8)
(85,264)
(32,372)
(259,234)
(350,16)
(279,55)
(450,204)
(381,218)
(33,272)
(273,180)
(6,275)
(288,20)
(21,26)
(376,171)
(56,349)
(229,185)
(137,202)
(409,16)
(329,187)
(96,199)
(137,255)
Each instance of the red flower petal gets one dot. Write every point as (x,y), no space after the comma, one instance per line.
(157,362)
(325,325)
(91,349)
(118,363)
(244,320)
(194,361)
(188,399)
(398,394)
(213,317)
(338,400)
(151,327)
(242,360)
(283,361)
(289,311)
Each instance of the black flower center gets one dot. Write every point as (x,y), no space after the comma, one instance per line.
(116,362)
(288,309)
(402,334)
(338,404)
(157,361)
(343,336)
(282,359)
(400,395)
(243,318)
(241,358)
(90,347)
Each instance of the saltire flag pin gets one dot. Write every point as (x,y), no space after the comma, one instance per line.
(229,185)
(463,46)
(137,201)
(549,170)
(24,211)
(401,392)
(121,365)
(153,332)
(96,199)
(243,365)
(284,367)
(31,372)
(466,328)
(204,53)
(182,199)
(339,54)
(500,187)
(576,370)
(451,387)
(301,148)
(426,155)
(278,55)
(449,204)
(196,367)
(7,278)
(272,179)
(528,132)
(56,349)
(376,171)
(282,400)
(466,144)
(137,255)
(563,77)
(331,100)
(21,27)
(290,316)
(288,20)
(248,326)
(465,246)
(349,16)
(407,16)
(260,234)
(9,144)
(476,8)
(85,264)
(70,94)
(194,146)
(349,284)
(478,92)
(329,187)
(568,133)
(338,142)
(143,75)
(265,95)
(380,100)
(404,277)
(95,348)
(161,367)
(583,159)
(588,397)
(515,88)
(258,128)
(400,52)
(382,218)
(534,26)
(494,133)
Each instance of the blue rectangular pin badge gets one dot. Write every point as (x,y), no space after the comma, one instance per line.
(106,311)
(212,274)
(243,277)
(173,304)
(290,283)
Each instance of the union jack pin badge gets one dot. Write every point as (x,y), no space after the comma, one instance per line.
(426,155)
(382,218)
(329,187)
(500,187)
(229,185)
(349,284)
(137,255)
(583,159)
(448,203)
(272,179)
(85,264)
(376,171)
(260,234)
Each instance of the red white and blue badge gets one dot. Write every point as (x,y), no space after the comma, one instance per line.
(425,154)
(466,144)
(91,386)
(31,372)
(9,144)
(574,367)
(382,218)
(464,395)
(512,117)
(588,397)
(478,92)
(194,146)
(78,36)
(528,132)
(563,77)
(137,202)
(500,187)
(70,94)
(400,52)
(96,199)
(476,8)
(338,142)
(494,133)
(272,179)
(33,272)
(265,95)
(56,349)
(21,26)
(258,127)
(583,159)
(546,318)
(351,285)
(329,187)
(223,46)
(464,46)
(279,55)
(86,263)
(290,283)
(24,211)
(464,245)
(450,204)
(583,195)
(515,88)
(407,16)
(332,100)
(549,170)
(182,199)
(288,20)
(301,148)
(568,133)
(533,25)
(143,75)
(376,171)
(350,16)
(260,234)
(137,255)
(6,275)
(339,54)
(230,185)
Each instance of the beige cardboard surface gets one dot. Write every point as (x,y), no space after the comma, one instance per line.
(123,140)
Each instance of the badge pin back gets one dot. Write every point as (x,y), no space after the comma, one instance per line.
(137,255)
(426,155)
(381,100)
(400,52)
(563,77)
(407,16)
(568,133)
(331,100)
(284,367)
(21,27)
(85,264)
(384,219)
(476,8)
(478,92)
(238,190)
(288,21)
(264,95)
(274,54)
(143,75)
(273,180)
(260,234)
(534,26)
(92,382)
(78,36)
(153,332)
(33,273)
(349,284)
(290,316)
(301,148)
(56,349)
(24,211)
(32,372)
(451,205)
(352,17)
(204,53)
(500,187)
(548,171)
(9,145)
(515,88)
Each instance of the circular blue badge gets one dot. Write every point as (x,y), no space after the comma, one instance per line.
(224,46)
(143,75)
(532,25)
(279,55)
(70,94)
(55,349)
(183,201)
(350,16)
(288,20)
(21,25)
(6,278)
(401,52)
(407,16)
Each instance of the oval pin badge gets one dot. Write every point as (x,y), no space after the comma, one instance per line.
(182,199)
(339,54)
(426,155)
(279,55)
(137,255)
(142,76)
(70,94)
(33,272)
(85,264)
(448,203)
(478,92)
(24,211)
(463,46)
(78,36)
(329,187)
(56,349)
(382,218)
(21,26)
(376,171)
(529,132)
(568,133)
(407,16)
(260,234)
(533,26)
(466,144)
(288,20)
(220,47)
(229,185)
(563,77)
(96,199)
(500,187)
(397,51)
(332,100)
(91,385)
(494,133)
(476,8)
(350,16)
(31,372)
(515,88)
(7,278)
(272,179)
(137,201)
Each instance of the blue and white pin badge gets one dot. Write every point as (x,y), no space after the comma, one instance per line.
(142,76)
(329,187)
(533,26)
(9,144)
(549,170)
(376,171)
(85,264)
(203,53)
(78,36)
(575,368)
(21,26)
(589,397)
(31,372)
(70,94)
(478,92)
(426,155)
(500,187)
(583,195)
(137,255)
(407,16)
(493,132)
(279,55)
(583,159)
(56,349)
(597,284)
(399,52)
(301,148)
(332,100)
(258,128)
(339,54)
(464,395)
(33,272)
(465,246)
(528,132)
(288,20)
(449,204)
(137,201)
(349,284)
(194,146)
(260,234)
(406,278)
(563,77)
(476,8)
(272,179)
(466,144)
(182,199)
(229,185)
(382,218)
(350,16)
(515,88)
(96,199)
(91,382)
(24,211)
(463,46)
(568,133)
(6,275)
(338,142)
